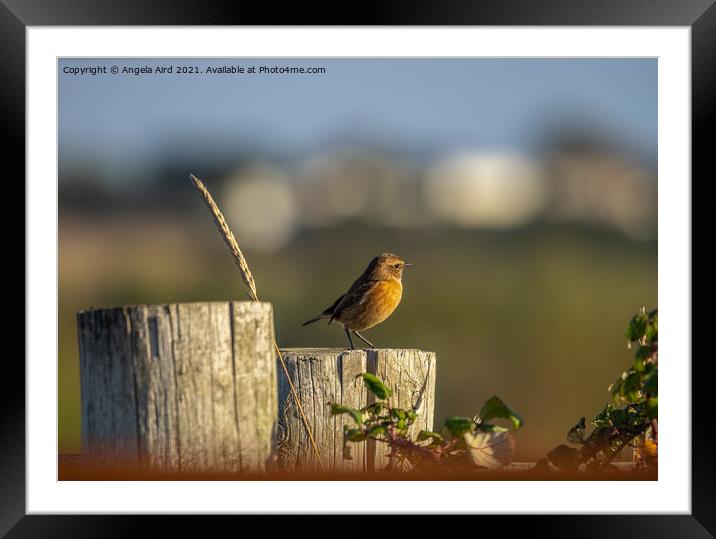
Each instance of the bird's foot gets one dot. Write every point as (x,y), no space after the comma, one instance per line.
(361,337)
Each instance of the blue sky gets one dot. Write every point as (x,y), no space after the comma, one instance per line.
(414,105)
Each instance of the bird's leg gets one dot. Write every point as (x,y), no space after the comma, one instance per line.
(349,338)
(361,337)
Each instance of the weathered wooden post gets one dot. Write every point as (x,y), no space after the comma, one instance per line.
(179,387)
(324,375)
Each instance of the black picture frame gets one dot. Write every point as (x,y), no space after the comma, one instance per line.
(16,15)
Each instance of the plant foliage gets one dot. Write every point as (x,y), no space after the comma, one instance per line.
(476,442)
(632,411)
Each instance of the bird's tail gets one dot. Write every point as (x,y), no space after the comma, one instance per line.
(328,313)
(314,319)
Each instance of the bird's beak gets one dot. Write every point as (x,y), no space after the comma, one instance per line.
(407,264)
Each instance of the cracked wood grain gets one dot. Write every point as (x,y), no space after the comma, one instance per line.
(325,375)
(188,386)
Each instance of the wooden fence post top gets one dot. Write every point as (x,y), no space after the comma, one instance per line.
(332,375)
(244,303)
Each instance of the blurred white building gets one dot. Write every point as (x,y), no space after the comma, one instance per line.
(594,186)
(491,190)
(266,203)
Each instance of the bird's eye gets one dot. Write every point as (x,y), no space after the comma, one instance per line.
(396,266)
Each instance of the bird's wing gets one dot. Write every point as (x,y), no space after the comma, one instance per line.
(332,308)
(355,294)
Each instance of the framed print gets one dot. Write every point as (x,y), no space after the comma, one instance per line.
(409,267)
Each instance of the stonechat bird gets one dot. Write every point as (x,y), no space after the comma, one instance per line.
(371,298)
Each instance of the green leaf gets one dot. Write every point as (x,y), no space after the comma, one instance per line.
(354,435)
(652,407)
(374,409)
(488,427)
(495,407)
(338,409)
(637,326)
(576,433)
(630,386)
(655,322)
(651,333)
(603,418)
(378,388)
(411,415)
(640,354)
(617,417)
(436,439)
(651,384)
(375,432)
(490,449)
(398,413)
(459,425)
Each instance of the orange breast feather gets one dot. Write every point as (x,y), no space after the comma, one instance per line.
(379,303)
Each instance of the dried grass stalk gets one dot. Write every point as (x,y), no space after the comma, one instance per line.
(248,278)
(228,236)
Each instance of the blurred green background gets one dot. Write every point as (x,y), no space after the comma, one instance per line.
(529,213)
